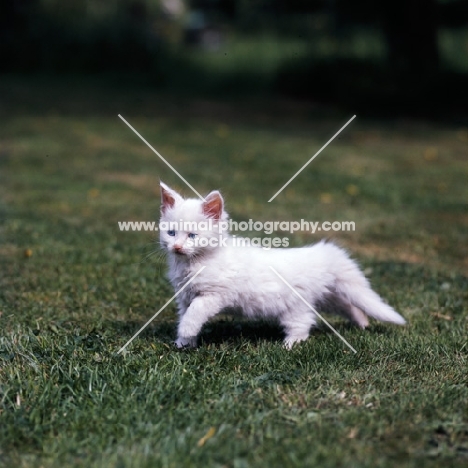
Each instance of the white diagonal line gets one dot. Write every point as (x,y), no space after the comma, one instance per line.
(161,309)
(162,159)
(312,309)
(312,158)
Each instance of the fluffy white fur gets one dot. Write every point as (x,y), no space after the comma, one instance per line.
(240,277)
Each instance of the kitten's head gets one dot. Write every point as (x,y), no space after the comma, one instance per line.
(190,227)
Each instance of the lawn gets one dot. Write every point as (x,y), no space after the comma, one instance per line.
(74,289)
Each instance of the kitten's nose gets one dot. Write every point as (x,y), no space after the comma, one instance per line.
(177,248)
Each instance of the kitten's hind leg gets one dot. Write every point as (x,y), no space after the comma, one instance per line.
(191,322)
(357,316)
(347,310)
(297,326)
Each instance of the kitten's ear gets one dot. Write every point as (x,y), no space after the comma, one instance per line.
(213,205)
(169,197)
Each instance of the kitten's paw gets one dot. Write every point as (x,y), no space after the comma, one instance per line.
(290,341)
(186,342)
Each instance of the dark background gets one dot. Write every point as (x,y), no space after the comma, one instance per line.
(394,57)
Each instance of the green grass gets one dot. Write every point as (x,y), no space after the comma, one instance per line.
(73,289)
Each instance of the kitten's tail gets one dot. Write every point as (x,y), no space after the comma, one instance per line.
(372,305)
(354,289)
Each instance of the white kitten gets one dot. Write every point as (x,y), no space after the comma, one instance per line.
(240,277)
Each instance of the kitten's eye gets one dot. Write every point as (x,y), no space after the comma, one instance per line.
(192,235)
(171,232)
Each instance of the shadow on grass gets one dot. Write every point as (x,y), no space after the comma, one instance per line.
(221,330)
(226,330)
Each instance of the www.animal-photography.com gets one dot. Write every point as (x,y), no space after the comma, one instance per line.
(233,234)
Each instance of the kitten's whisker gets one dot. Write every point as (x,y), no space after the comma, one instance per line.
(159,252)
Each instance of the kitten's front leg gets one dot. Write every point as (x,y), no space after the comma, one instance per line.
(184,342)
(191,322)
